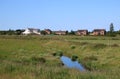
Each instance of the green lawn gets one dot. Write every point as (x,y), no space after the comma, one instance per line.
(31,57)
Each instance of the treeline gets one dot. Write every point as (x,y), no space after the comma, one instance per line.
(114,33)
(11,32)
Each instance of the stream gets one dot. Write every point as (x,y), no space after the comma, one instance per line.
(71,64)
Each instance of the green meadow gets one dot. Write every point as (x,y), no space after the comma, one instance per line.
(32,57)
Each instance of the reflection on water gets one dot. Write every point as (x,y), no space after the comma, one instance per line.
(71,64)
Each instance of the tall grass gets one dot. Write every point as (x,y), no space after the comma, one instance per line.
(31,57)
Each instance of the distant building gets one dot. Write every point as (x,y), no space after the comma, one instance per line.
(48,31)
(31,31)
(99,32)
(60,32)
(82,32)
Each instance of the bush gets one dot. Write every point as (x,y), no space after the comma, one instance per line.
(74,57)
(58,53)
(72,47)
(54,54)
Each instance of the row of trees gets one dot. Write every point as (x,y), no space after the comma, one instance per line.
(11,32)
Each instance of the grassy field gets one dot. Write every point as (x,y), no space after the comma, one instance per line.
(31,57)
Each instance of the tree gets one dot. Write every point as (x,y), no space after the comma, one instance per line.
(72,32)
(10,32)
(111,32)
(111,28)
(18,32)
(67,32)
(3,32)
(43,32)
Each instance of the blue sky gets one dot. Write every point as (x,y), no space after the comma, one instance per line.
(59,14)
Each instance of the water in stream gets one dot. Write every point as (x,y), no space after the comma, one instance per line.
(71,64)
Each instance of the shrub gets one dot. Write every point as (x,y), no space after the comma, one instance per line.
(72,47)
(74,57)
(58,53)
(54,54)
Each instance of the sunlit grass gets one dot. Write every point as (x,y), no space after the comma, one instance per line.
(31,57)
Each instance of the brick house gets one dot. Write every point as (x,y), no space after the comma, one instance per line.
(99,32)
(82,32)
(48,31)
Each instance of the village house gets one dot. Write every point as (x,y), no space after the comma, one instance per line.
(99,32)
(82,32)
(48,31)
(31,31)
(60,32)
